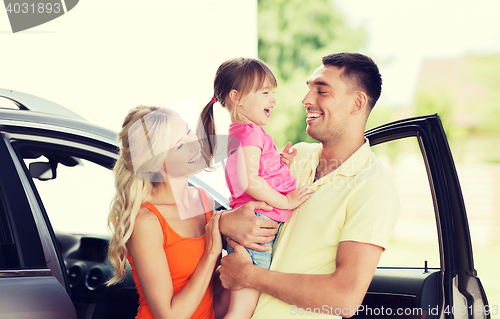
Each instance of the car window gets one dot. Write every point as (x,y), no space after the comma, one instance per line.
(8,104)
(77,200)
(414,239)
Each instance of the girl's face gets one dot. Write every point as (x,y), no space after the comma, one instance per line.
(183,157)
(256,106)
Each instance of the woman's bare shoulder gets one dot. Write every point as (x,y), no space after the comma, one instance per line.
(147,228)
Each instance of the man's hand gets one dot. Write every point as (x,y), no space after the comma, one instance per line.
(286,156)
(248,230)
(234,267)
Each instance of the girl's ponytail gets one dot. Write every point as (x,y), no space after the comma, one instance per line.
(206,131)
(237,74)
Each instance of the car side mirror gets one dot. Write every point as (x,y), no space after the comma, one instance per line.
(43,171)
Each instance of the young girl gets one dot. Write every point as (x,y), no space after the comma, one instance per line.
(253,170)
(164,228)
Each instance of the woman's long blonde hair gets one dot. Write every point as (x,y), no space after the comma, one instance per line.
(144,139)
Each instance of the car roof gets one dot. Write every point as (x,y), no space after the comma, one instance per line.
(36,112)
(30,102)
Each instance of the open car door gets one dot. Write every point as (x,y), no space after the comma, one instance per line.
(440,284)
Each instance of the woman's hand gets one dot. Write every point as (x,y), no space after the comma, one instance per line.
(213,239)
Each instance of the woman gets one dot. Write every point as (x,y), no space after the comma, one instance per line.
(163,227)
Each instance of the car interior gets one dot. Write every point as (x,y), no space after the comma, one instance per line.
(66,180)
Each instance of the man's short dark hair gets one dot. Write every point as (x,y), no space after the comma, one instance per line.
(361,70)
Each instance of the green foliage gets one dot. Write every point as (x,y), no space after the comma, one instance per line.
(293,37)
(468,103)
(485,73)
(381,115)
(436,99)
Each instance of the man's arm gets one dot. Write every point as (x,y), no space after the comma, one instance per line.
(248,230)
(344,289)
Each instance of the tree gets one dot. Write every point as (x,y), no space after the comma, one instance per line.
(293,37)
(464,92)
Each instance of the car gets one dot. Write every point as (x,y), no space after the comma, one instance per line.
(56,185)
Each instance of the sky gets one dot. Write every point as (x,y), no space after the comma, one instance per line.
(103,58)
(404,33)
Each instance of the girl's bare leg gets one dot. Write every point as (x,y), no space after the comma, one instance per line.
(242,303)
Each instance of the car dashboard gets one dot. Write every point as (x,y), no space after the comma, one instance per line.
(88,269)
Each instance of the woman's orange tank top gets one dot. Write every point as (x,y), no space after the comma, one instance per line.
(183,255)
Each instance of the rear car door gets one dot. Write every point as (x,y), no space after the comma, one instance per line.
(32,278)
(439,282)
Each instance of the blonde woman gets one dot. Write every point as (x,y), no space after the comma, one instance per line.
(163,227)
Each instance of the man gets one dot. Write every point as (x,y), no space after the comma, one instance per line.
(327,252)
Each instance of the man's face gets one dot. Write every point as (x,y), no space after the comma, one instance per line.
(328,104)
